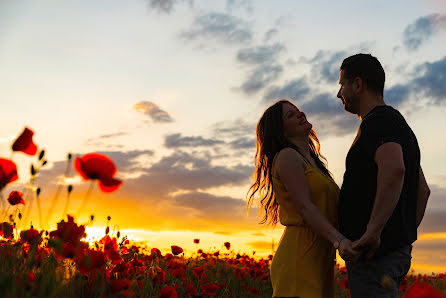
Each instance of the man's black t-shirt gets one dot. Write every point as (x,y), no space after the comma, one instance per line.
(382,124)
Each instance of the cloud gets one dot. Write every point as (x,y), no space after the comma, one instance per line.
(165,6)
(328,117)
(247,5)
(264,66)
(176,140)
(237,128)
(209,205)
(260,77)
(295,89)
(153,111)
(422,29)
(244,143)
(270,34)
(260,55)
(221,27)
(397,94)
(432,82)
(325,65)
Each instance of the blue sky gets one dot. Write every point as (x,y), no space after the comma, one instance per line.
(172,90)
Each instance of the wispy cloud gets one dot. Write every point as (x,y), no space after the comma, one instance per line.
(265,54)
(177,140)
(296,89)
(165,6)
(246,5)
(209,205)
(432,82)
(270,34)
(264,68)
(221,27)
(153,111)
(422,29)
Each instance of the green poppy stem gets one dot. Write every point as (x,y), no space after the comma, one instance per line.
(56,196)
(84,201)
(6,213)
(65,209)
(39,210)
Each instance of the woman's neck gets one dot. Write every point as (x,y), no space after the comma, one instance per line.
(303,146)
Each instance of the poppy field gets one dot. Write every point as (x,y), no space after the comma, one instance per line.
(61,262)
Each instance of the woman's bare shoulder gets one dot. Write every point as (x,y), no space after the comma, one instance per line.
(288,157)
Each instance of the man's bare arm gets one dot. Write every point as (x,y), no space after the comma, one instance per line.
(423,195)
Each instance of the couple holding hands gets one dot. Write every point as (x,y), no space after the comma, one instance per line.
(372,220)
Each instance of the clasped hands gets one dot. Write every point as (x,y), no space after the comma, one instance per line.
(366,245)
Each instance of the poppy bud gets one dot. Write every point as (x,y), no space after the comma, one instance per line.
(20,215)
(96,245)
(44,162)
(46,233)
(108,218)
(92,217)
(38,191)
(70,188)
(69,156)
(42,154)
(107,230)
(33,170)
(10,218)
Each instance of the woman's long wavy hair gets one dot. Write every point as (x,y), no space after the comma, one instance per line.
(270,140)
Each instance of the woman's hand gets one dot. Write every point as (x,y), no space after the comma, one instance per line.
(347,253)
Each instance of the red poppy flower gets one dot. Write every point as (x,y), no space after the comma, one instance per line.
(8,172)
(157,274)
(227,245)
(200,251)
(168,292)
(196,241)
(98,167)
(68,231)
(155,251)
(24,143)
(31,236)
(6,230)
(120,285)
(403,284)
(254,291)
(31,277)
(419,289)
(199,272)
(176,250)
(89,259)
(344,283)
(216,254)
(15,197)
(191,290)
(209,289)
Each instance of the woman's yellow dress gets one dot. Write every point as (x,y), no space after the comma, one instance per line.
(303,265)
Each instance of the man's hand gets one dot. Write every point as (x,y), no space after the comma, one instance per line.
(369,243)
(346,251)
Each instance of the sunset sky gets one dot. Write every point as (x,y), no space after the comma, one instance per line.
(171,91)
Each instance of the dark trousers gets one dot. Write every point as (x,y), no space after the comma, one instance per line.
(380,276)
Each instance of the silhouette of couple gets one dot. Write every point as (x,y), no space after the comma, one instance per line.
(372,220)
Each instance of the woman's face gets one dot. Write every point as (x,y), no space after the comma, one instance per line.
(295,123)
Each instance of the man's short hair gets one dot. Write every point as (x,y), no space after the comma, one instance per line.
(366,67)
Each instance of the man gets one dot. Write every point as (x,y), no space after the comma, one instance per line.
(384,192)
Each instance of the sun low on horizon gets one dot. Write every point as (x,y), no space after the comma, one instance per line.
(171,92)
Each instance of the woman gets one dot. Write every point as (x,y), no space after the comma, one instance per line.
(295,187)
